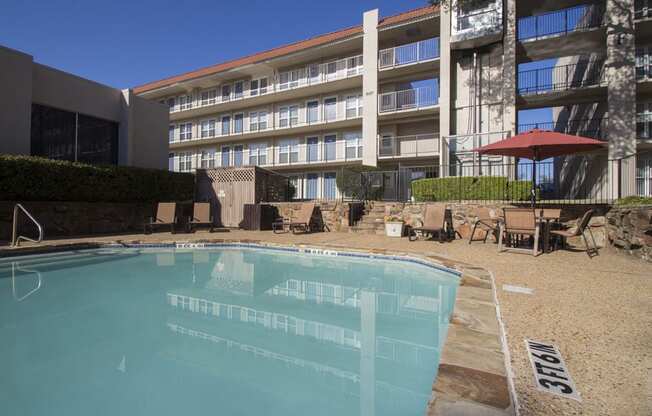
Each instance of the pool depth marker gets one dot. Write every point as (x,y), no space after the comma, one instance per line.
(550,370)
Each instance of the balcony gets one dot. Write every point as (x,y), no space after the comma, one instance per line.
(266,129)
(644,126)
(595,128)
(390,147)
(552,86)
(276,155)
(642,9)
(472,29)
(408,100)
(312,75)
(560,22)
(463,144)
(409,54)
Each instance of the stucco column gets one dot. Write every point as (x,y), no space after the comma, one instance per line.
(621,97)
(444,89)
(370,89)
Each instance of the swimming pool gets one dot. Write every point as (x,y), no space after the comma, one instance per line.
(228,330)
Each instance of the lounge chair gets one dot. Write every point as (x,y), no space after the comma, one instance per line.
(201,215)
(519,222)
(302,221)
(485,222)
(582,227)
(165,215)
(436,220)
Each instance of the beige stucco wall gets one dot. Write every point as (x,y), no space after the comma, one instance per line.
(143,124)
(16,102)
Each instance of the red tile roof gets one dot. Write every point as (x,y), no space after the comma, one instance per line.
(283,50)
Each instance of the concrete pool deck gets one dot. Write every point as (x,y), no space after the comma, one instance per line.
(597,311)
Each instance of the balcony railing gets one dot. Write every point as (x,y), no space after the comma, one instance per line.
(411,53)
(251,128)
(479,20)
(275,155)
(644,126)
(312,74)
(560,77)
(560,22)
(408,146)
(465,143)
(411,99)
(595,128)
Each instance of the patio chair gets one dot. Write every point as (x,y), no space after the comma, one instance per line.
(519,223)
(201,215)
(485,222)
(165,215)
(580,230)
(301,222)
(436,220)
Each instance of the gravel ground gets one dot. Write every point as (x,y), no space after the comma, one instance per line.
(597,311)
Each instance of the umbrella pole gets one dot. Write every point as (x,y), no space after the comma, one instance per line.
(533,197)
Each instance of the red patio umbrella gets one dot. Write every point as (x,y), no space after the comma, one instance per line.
(537,145)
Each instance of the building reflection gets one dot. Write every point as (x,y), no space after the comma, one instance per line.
(379,337)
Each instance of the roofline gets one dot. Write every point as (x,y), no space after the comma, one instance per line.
(284,50)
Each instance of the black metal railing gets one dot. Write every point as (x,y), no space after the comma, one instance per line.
(595,128)
(560,77)
(573,180)
(560,22)
(642,9)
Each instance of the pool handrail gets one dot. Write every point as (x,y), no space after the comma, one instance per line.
(15,240)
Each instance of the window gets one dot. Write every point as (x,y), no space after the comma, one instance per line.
(351,106)
(330,109)
(330,185)
(313,73)
(331,70)
(258,86)
(237,155)
(208,128)
(226,92)
(226,156)
(288,151)
(643,62)
(207,159)
(238,89)
(171,133)
(257,120)
(312,111)
(238,121)
(329,147)
(171,104)
(208,97)
(185,102)
(644,177)
(288,116)
(353,145)
(258,154)
(289,79)
(312,151)
(171,162)
(353,65)
(185,131)
(226,125)
(644,120)
(311,185)
(185,162)
(296,187)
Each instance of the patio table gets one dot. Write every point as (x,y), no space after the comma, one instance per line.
(546,220)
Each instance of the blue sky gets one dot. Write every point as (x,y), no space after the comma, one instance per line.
(127,43)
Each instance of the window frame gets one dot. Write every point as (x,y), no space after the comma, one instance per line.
(185,131)
(325,108)
(205,129)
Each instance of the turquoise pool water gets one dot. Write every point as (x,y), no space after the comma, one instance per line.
(220,331)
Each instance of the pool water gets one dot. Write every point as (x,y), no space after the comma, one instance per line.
(220,331)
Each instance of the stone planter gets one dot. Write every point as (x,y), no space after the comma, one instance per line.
(394,229)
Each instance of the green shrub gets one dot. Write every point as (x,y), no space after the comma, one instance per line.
(634,200)
(478,188)
(28,178)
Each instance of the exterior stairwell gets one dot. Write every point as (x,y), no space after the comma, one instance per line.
(373,219)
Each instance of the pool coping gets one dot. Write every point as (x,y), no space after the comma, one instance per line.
(474,375)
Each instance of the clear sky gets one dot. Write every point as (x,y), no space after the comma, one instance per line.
(127,43)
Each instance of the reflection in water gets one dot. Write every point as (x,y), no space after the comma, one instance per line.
(232,331)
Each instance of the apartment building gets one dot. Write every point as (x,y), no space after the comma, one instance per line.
(54,114)
(416,92)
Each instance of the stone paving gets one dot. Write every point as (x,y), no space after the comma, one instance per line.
(595,310)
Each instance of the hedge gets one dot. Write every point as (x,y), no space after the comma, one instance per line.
(634,201)
(28,178)
(479,188)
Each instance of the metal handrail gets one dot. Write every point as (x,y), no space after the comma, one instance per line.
(15,240)
(14,267)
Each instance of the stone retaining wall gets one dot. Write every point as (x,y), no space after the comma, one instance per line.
(334,214)
(75,218)
(629,230)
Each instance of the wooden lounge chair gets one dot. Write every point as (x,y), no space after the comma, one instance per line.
(165,215)
(436,220)
(582,227)
(201,215)
(301,222)
(519,223)
(485,222)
